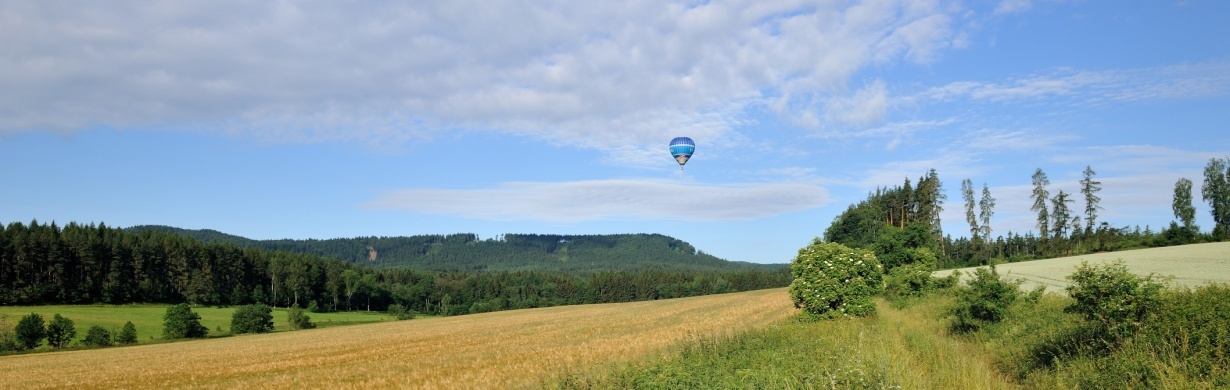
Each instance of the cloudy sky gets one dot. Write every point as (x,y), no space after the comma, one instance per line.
(287,119)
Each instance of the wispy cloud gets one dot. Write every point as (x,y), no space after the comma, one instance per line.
(1181,81)
(625,199)
(603,76)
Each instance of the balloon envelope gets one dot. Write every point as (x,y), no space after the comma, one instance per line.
(682,149)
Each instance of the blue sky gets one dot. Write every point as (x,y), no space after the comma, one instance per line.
(322,119)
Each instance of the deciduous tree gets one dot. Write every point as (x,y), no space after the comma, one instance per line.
(30,331)
(1184,211)
(97,336)
(60,331)
(256,318)
(181,322)
(1216,192)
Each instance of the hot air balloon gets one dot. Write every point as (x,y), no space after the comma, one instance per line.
(682,149)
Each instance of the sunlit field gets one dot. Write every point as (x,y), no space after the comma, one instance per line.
(491,350)
(1186,265)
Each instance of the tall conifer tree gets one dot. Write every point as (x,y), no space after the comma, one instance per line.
(1040,197)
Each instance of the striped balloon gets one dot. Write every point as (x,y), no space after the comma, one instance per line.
(682,149)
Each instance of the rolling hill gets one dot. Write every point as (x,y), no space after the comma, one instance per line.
(509,252)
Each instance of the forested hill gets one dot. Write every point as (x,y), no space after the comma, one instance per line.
(510,252)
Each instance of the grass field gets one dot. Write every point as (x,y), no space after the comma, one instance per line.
(491,350)
(1188,265)
(148,318)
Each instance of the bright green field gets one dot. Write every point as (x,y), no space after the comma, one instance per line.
(148,317)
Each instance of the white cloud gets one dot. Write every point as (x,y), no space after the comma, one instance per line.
(604,76)
(1181,81)
(1013,6)
(624,199)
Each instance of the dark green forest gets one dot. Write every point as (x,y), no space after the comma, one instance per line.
(84,264)
(907,216)
(510,252)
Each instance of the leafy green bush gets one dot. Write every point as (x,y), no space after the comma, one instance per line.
(128,334)
(60,331)
(256,318)
(949,281)
(181,322)
(97,336)
(832,280)
(298,319)
(986,300)
(912,279)
(400,312)
(30,331)
(1115,300)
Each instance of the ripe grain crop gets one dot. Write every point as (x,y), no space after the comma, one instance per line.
(1186,265)
(491,350)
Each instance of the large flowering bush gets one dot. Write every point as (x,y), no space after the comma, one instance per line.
(832,280)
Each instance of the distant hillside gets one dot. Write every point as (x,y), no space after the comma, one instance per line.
(510,252)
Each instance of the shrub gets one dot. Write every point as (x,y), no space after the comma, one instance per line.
(400,312)
(97,336)
(298,319)
(128,334)
(832,280)
(8,340)
(60,331)
(907,281)
(180,322)
(256,318)
(30,331)
(949,281)
(1115,300)
(985,301)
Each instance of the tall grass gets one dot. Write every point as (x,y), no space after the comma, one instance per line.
(1184,345)
(895,349)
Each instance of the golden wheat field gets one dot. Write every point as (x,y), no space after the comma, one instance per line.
(1186,265)
(493,350)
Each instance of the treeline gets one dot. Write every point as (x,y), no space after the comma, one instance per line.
(906,216)
(508,252)
(82,264)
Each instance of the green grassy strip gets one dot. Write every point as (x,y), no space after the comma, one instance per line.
(148,318)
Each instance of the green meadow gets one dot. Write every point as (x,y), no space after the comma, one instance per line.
(148,318)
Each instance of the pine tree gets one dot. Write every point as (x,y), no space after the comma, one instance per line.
(1089,188)
(1040,197)
(1061,214)
(967,193)
(128,334)
(986,209)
